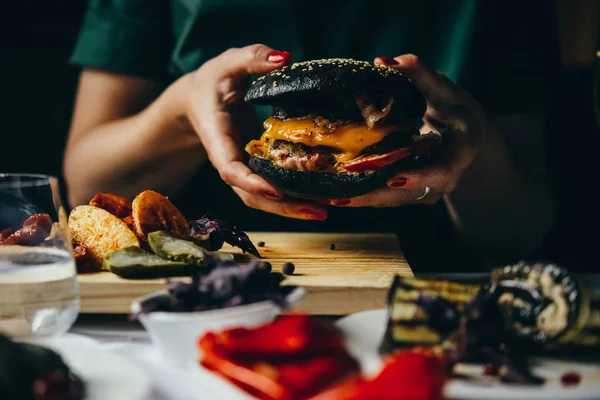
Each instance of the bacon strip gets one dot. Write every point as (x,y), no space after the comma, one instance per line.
(369,110)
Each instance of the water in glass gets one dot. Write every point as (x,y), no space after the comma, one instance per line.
(38,279)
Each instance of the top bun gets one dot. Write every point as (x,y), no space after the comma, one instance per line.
(303,82)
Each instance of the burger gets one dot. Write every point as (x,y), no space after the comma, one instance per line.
(339,128)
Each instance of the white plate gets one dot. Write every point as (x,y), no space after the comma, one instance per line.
(364,332)
(177,383)
(106,375)
(217,384)
(70,337)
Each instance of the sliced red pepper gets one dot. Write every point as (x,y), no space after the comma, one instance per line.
(291,368)
(407,375)
(306,378)
(248,379)
(289,336)
(288,381)
(375,162)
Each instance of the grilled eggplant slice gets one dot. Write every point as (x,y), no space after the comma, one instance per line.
(136,263)
(547,305)
(541,306)
(424,311)
(169,247)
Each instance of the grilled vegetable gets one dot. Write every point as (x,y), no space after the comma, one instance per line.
(424,311)
(542,305)
(100,231)
(136,263)
(154,212)
(167,246)
(118,206)
(546,305)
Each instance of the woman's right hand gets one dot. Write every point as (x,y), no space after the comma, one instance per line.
(215,107)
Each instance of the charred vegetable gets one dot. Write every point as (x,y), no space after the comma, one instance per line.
(153,212)
(167,246)
(100,231)
(136,263)
(546,305)
(523,306)
(30,372)
(484,336)
(423,311)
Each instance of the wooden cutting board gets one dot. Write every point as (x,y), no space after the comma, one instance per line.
(353,277)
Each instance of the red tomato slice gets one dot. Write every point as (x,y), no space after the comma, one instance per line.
(376,162)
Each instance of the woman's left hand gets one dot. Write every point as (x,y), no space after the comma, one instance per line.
(453,113)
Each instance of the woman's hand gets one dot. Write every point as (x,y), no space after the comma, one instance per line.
(452,112)
(216,110)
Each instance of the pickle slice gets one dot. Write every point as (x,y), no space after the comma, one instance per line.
(136,263)
(172,248)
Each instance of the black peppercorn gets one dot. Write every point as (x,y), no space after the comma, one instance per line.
(288,268)
(264,266)
(332,247)
(260,244)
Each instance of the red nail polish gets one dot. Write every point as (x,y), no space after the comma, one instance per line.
(312,214)
(273,196)
(398,182)
(278,57)
(388,60)
(341,202)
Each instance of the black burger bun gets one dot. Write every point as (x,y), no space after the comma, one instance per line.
(318,185)
(340,185)
(335,80)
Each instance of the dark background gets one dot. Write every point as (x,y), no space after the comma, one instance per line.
(37,89)
(37,85)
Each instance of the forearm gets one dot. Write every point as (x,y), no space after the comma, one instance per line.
(503,205)
(155,148)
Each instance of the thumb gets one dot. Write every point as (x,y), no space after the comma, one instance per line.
(255,59)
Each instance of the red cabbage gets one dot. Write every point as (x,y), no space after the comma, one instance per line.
(211,233)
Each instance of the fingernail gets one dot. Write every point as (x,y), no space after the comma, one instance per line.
(388,60)
(277,57)
(398,182)
(341,202)
(323,201)
(311,214)
(273,196)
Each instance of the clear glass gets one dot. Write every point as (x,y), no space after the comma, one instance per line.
(39,294)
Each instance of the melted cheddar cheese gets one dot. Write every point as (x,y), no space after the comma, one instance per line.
(348,140)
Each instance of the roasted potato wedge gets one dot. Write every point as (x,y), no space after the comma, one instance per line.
(100,231)
(116,205)
(154,212)
(129,221)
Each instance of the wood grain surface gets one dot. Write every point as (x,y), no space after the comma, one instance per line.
(353,277)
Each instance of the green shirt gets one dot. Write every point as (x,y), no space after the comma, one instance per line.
(482,45)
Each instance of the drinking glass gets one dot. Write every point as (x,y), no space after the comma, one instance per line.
(39,295)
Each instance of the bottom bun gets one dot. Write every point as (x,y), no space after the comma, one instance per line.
(319,185)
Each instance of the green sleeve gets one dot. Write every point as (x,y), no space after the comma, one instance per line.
(131,37)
